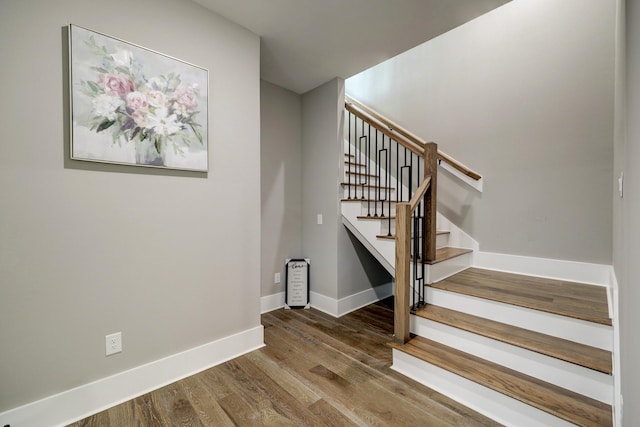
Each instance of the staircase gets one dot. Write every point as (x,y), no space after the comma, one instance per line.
(524,351)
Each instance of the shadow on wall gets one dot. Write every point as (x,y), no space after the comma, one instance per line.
(456,200)
(375,272)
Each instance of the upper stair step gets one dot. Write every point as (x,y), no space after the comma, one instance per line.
(366,185)
(575,300)
(568,351)
(373,176)
(393,236)
(559,402)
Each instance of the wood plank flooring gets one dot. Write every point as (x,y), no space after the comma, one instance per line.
(314,371)
(580,301)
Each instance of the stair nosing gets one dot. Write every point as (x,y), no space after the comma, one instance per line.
(393,236)
(515,339)
(365,185)
(371,200)
(509,382)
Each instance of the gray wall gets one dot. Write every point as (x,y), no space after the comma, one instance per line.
(168,258)
(340,265)
(320,178)
(524,95)
(281,182)
(629,283)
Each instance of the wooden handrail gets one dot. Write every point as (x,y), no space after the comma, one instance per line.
(459,166)
(398,130)
(419,194)
(362,115)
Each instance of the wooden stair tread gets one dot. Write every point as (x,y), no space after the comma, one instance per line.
(379,218)
(569,351)
(366,185)
(352,163)
(576,300)
(443,254)
(361,174)
(562,403)
(393,236)
(369,200)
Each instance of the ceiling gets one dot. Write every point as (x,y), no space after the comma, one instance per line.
(305,43)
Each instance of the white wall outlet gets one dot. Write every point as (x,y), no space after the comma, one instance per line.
(621,184)
(319,219)
(114,343)
(276,278)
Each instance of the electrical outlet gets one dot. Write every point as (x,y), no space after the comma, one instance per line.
(319,219)
(114,343)
(276,278)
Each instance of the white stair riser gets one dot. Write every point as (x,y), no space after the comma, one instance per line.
(593,334)
(488,402)
(587,382)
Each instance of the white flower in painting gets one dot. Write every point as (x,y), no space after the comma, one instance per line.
(156,83)
(162,123)
(156,98)
(106,106)
(122,58)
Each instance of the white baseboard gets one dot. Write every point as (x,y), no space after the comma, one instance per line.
(617,375)
(364,298)
(271,302)
(573,271)
(338,308)
(324,303)
(80,402)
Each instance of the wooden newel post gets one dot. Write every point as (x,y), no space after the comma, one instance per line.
(403,272)
(430,198)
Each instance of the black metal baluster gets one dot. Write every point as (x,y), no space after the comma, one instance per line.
(386,160)
(357,167)
(349,157)
(368,171)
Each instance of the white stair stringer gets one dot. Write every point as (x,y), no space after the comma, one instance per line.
(585,381)
(576,330)
(503,409)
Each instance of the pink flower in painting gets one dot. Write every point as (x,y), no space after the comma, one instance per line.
(137,101)
(186,96)
(140,119)
(116,85)
(156,98)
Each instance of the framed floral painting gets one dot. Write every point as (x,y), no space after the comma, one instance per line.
(133,106)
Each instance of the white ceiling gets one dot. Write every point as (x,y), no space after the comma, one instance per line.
(305,43)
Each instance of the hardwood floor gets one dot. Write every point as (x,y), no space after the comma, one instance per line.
(315,371)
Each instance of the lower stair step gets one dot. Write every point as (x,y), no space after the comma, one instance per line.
(554,400)
(576,300)
(568,351)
